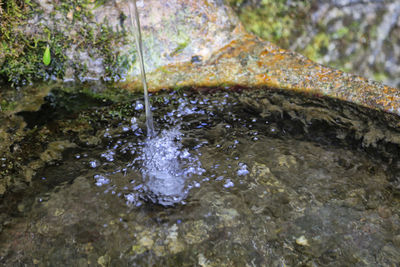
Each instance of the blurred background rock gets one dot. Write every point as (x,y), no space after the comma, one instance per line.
(357,36)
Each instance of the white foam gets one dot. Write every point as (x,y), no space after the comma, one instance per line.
(166,167)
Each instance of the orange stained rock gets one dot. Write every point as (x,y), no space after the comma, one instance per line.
(245,60)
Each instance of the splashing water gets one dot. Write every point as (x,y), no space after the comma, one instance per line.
(162,169)
(163,160)
(253,196)
(166,166)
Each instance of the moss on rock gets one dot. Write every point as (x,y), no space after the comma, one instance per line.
(273,20)
(64,27)
(360,37)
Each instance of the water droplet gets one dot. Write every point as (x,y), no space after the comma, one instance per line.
(130,198)
(228,183)
(101,180)
(242,169)
(93,164)
(139,106)
(108,155)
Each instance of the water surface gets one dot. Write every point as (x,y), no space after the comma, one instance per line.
(231,179)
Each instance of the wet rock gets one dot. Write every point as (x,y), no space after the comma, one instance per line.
(89,140)
(2,188)
(28,174)
(384,212)
(389,252)
(176,33)
(228,217)
(103,261)
(197,232)
(263,175)
(285,189)
(203,262)
(302,241)
(145,242)
(396,240)
(287,161)
(175,246)
(54,150)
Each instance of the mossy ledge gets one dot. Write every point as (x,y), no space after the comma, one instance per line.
(27,27)
(186,44)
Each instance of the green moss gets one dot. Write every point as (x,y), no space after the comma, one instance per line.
(7,105)
(317,47)
(105,92)
(380,76)
(79,9)
(22,53)
(14,56)
(284,21)
(341,33)
(21,60)
(183,42)
(116,65)
(273,20)
(179,48)
(235,3)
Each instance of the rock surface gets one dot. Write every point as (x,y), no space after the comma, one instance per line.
(360,37)
(194,44)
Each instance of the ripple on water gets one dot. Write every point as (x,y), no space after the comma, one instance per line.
(242,189)
(164,165)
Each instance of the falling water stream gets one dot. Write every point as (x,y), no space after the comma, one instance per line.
(162,157)
(138,39)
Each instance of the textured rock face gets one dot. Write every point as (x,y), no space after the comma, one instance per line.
(360,37)
(191,43)
(98,42)
(251,62)
(227,55)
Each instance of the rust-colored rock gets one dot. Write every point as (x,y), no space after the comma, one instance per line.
(228,56)
(198,43)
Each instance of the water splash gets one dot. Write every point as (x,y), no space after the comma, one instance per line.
(166,167)
(162,171)
(158,169)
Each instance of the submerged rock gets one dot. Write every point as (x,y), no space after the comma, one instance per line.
(308,193)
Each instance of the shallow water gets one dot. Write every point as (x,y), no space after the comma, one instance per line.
(232,179)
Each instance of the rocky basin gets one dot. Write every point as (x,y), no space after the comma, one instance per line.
(296,162)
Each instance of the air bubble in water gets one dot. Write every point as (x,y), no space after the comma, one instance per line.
(242,169)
